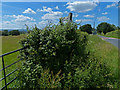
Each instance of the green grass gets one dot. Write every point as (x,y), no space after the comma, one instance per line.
(10,43)
(113,34)
(104,52)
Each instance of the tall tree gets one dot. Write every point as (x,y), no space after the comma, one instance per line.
(86,28)
(105,27)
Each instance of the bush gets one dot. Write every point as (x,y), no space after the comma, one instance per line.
(94,74)
(57,58)
(59,47)
(45,80)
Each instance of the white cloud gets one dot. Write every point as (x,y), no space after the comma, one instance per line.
(75,15)
(16,25)
(105,13)
(53,15)
(89,16)
(103,18)
(83,20)
(57,7)
(66,12)
(81,6)
(6,22)
(43,22)
(20,18)
(45,9)
(97,1)
(29,10)
(112,5)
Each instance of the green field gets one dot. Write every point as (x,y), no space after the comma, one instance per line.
(102,50)
(10,43)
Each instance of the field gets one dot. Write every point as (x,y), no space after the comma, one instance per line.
(10,43)
(102,50)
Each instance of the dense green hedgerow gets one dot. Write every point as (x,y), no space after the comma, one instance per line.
(57,58)
(58,48)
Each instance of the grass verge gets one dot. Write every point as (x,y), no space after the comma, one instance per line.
(104,51)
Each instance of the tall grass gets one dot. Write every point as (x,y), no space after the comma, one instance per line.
(104,51)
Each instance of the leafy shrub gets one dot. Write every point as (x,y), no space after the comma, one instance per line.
(59,47)
(45,80)
(48,80)
(93,75)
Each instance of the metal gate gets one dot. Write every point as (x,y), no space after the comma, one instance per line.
(5,67)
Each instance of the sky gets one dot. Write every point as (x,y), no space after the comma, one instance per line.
(16,14)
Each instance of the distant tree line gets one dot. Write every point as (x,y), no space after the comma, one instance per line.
(103,27)
(12,32)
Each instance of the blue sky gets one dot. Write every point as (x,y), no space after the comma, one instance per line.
(16,14)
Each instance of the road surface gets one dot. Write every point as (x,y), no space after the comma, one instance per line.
(114,41)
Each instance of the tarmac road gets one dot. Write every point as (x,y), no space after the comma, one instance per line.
(114,41)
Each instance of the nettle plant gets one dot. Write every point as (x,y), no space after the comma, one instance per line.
(57,47)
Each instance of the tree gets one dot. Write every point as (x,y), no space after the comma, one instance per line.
(5,33)
(114,26)
(105,27)
(14,32)
(86,28)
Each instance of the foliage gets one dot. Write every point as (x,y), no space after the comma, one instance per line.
(112,25)
(58,48)
(44,80)
(114,34)
(105,27)
(48,80)
(57,58)
(104,52)
(86,28)
(23,32)
(93,75)
(5,33)
(14,32)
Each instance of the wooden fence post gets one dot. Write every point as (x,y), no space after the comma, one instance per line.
(70,17)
